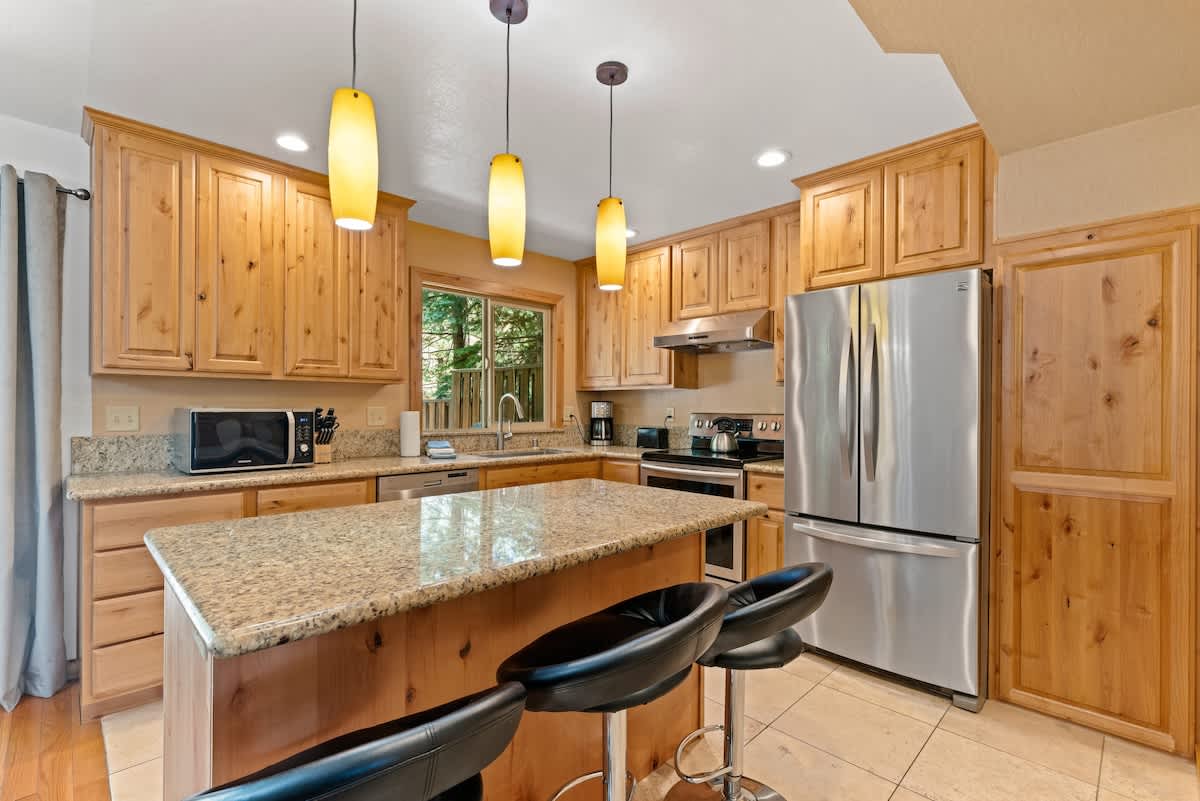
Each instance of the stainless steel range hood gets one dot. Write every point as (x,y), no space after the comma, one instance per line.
(720,333)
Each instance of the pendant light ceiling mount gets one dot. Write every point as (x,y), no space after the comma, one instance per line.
(510,11)
(612,73)
(610,211)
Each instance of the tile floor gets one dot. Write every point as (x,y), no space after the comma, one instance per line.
(820,731)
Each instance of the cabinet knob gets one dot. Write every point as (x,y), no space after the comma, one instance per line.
(202,296)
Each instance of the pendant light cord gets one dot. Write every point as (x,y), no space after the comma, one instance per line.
(507,68)
(354,48)
(610,138)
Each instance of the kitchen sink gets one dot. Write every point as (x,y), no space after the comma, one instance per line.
(517,452)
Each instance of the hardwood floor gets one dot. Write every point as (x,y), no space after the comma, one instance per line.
(46,754)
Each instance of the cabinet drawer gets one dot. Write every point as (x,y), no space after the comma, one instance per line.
(127,667)
(540,474)
(765,489)
(280,500)
(122,525)
(127,618)
(124,572)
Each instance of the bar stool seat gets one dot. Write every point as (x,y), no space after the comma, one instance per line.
(436,755)
(626,655)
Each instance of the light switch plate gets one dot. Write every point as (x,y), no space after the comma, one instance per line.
(121,418)
(376,416)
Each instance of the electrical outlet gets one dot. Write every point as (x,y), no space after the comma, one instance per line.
(670,411)
(376,416)
(568,412)
(121,418)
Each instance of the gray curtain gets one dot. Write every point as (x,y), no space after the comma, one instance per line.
(32,649)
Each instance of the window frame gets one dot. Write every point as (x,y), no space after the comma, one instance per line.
(554,306)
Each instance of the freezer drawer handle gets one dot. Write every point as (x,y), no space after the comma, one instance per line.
(874,544)
(870,422)
(847,393)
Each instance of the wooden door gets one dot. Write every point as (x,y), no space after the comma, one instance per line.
(378,299)
(842,221)
(236,301)
(788,274)
(933,209)
(316,285)
(744,274)
(599,332)
(145,279)
(646,302)
(764,544)
(694,277)
(1095,594)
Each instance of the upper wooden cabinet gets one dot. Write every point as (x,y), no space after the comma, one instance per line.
(842,229)
(235,272)
(210,261)
(599,333)
(786,246)
(144,253)
(694,277)
(744,271)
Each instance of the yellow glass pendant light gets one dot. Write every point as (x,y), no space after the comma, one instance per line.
(506,183)
(610,212)
(353,150)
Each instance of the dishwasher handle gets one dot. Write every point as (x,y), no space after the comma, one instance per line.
(876,544)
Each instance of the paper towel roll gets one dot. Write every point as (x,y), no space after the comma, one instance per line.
(410,433)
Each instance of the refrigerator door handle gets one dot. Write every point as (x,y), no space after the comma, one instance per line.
(870,424)
(847,392)
(922,549)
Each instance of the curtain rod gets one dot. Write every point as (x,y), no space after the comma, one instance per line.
(82,194)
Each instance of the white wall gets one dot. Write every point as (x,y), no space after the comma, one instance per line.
(31,147)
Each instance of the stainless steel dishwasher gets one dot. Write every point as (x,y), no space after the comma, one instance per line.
(423,485)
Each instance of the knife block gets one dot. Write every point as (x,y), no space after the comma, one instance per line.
(322,454)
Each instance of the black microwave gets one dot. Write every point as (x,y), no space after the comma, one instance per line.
(222,440)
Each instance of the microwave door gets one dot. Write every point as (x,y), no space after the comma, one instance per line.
(821,402)
(224,441)
(921,447)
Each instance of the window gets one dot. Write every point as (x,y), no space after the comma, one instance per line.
(474,349)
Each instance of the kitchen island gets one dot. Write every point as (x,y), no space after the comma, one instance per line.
(284,631)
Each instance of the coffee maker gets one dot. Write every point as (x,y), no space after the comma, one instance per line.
(601,432)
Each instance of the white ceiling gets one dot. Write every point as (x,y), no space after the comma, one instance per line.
(711,84)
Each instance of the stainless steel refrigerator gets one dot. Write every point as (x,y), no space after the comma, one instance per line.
(887,472)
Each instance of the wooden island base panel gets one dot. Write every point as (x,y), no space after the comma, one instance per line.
(225,718)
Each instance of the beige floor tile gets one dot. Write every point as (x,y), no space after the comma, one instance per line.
(714,713)
(811,667)
(802,773)
(1109,795)
(769,693)
(714,684)
(904,794)
(880,740)
(142,782)
(953,768)
(1145,774)
(133,736)
(1054,743)
(656,786)
(897,697)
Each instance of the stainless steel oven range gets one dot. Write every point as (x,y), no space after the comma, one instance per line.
(722,444)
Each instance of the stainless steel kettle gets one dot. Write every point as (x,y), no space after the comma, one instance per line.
(724,441)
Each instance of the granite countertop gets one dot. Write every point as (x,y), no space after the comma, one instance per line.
(259,582)
(772,468)
(106,486)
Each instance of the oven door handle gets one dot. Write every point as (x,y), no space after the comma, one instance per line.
(688,472)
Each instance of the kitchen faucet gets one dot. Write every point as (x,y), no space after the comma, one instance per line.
(502,437)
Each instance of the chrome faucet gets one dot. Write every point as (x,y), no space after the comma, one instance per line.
(501,436)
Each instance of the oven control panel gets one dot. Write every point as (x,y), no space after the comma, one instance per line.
(747,426)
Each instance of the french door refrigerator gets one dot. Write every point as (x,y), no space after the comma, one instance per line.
(887,472)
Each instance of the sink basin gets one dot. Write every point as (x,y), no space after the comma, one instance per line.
(516,452)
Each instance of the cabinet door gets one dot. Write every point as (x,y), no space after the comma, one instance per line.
(841,229)
(316,285)
(379,298)
(1097,530)
(236,304)
(145,281)
(788,275)
(646,300)
(933,209)
(764,544)
(599,333)
(694,277)
(620,470)
(744,273)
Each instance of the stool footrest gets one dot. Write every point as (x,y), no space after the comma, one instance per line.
(698,778)
(587,777)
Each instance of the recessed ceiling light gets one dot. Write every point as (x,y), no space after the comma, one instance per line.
(630,233)
(772,157)
(291,142)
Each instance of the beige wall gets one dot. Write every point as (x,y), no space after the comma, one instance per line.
(429,248)
(1149,165)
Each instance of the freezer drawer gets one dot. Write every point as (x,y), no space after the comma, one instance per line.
(904,603)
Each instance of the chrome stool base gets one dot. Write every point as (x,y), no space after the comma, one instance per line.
(619,784)
(750,791)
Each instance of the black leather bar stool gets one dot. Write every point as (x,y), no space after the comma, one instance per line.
(756,634)
(436,755)
(624,656)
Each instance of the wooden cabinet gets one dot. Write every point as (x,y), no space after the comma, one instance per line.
(236,267)
(1095,591)
(378,298)
(498,477)
(694,269)
(842,229)
(765,535)
(788,273)
(626,471)
(933,209)
(599,333)
(307,497)
(744,271)
(144,253)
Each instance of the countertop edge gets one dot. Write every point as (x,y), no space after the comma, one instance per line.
(771,468)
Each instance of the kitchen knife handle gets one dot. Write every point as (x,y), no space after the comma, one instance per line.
(847,392)
(870,424)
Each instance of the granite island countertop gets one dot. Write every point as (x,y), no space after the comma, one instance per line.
(108,486)
(258,582)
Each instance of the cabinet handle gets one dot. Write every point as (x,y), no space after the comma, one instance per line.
(202,296)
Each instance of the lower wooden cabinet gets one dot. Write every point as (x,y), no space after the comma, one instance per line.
(307,497)
(622,470)
(764,535)
(496,478)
